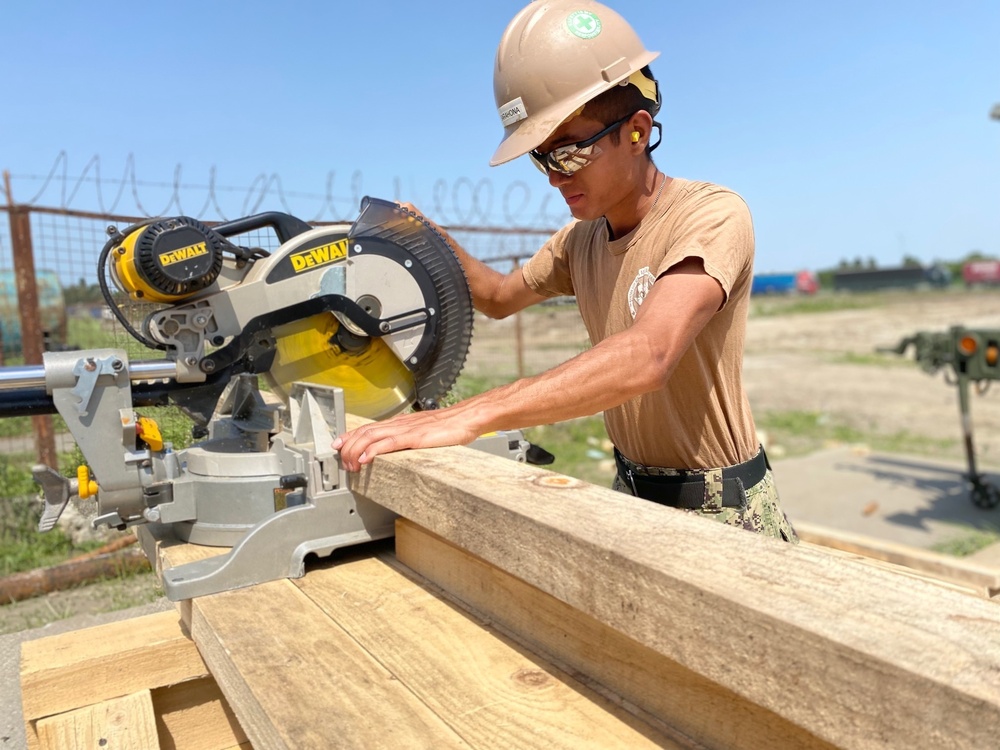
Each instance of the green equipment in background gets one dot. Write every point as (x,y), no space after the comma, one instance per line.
(971,356)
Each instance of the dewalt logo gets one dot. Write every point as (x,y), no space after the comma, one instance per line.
(185,253)
(319,256)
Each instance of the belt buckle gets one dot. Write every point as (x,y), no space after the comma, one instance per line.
(631,480)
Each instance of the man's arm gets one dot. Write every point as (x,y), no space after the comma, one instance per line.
(621,367)
(494,294)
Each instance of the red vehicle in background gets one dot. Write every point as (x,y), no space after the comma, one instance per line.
(981,272)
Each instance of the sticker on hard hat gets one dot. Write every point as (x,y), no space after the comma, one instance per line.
(583,24)
(513,111)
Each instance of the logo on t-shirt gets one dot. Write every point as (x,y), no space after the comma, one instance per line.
(641,285)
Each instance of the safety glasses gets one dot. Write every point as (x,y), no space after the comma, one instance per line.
(573,157)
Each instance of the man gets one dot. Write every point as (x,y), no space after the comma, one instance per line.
(661,269)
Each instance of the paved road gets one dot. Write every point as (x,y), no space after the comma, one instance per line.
(907,500)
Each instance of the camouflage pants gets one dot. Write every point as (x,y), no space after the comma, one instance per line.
(762,512)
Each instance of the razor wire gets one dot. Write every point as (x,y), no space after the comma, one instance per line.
(70,216)
(464,202)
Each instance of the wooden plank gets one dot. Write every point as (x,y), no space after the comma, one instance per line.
(708,713)
(899,570)
(984,580)
(194,715)
(492,692)
(156,541)
(852,654)
(124,723)
(295,679)
(83,667)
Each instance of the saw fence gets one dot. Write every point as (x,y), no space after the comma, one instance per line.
(519,608)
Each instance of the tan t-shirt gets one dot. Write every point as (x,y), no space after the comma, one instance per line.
(702,418)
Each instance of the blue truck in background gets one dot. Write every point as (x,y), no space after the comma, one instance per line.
(51,309)
(801,282)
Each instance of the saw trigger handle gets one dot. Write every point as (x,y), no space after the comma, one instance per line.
(285,226)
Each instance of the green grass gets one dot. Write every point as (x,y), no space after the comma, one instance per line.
(824,302)
(22,426)
(89,333)
(803,432)
(969,543)
(472,385)
(875,359)
(22,547)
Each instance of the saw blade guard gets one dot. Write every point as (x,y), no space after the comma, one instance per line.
(376,382)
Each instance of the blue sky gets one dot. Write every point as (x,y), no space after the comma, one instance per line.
(855,129)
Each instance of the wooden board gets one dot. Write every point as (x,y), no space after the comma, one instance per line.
(80,670)
(359,655)
(76,669)
(194,715)
(296,679)
(125,723)
(979,579)
(852,654)
(701,710)
(492,692)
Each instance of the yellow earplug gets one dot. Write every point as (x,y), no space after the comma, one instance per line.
(635,136)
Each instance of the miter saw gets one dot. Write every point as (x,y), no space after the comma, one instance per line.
(369,318)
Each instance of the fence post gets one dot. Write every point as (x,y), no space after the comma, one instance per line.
(519,335)
(32,336)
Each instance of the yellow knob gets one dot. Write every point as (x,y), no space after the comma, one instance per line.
(87,486)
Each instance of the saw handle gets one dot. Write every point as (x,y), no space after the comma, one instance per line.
(285,226)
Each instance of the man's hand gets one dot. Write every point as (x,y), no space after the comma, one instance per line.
(425,429)
(493,293)
(407,206)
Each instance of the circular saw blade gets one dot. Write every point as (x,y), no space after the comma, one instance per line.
(375,383)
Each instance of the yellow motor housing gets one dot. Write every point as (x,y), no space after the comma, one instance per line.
(168,260)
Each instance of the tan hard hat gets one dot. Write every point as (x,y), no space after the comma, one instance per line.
(554,57)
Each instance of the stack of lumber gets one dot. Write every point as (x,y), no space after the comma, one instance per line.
(137,683)
(519,608)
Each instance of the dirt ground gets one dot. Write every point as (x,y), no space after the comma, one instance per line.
(817,362)
(828,363)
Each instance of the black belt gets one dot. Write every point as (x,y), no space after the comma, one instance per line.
(687,491)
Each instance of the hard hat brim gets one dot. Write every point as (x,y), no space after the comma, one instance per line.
(532,132)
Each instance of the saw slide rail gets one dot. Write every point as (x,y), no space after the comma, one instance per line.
(522,608)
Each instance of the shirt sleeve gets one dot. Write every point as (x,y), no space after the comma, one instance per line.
(548,271)
(717,228)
